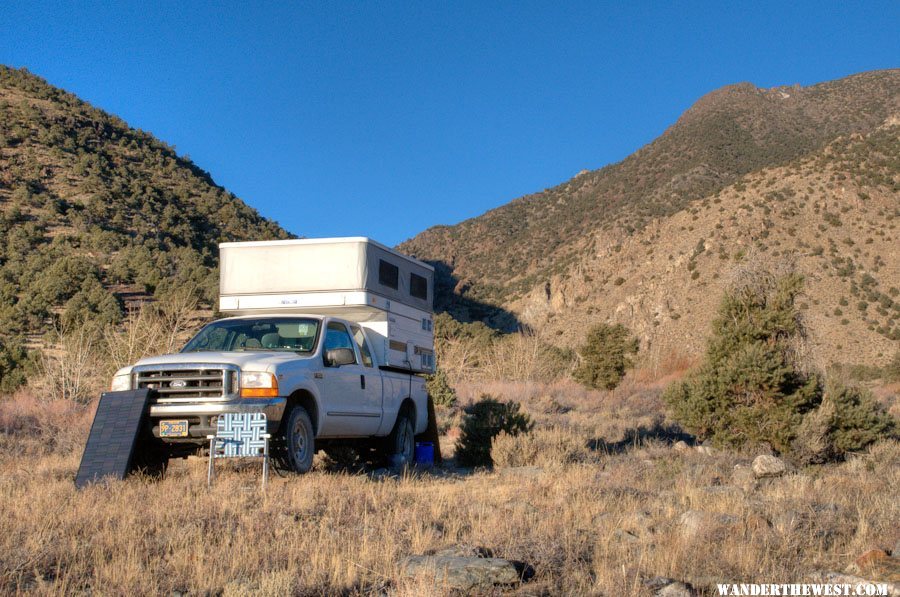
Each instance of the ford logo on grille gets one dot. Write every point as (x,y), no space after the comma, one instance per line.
(178,383)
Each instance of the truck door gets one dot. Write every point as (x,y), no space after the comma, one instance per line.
(347,411)
(371,376)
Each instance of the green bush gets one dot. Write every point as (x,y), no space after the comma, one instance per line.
(15,363)
(439,389)
(483,421)
(847,420)
(858,420)
(605,356)
(750,389)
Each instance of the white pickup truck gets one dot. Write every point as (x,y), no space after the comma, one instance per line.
(331,352)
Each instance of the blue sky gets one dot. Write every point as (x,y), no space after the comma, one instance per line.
(384,118)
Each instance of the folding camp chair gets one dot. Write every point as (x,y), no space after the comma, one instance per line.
(239,435)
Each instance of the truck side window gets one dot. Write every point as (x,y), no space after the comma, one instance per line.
(388,274)
(418,286)
(363,345)
(336,336)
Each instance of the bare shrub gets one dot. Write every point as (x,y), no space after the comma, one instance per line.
(81,359)
(523,356)
(811,444)
(69,371)
(459,358)
(54,426)
(153,329)
(545,446)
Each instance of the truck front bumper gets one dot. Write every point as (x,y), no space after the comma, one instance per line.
(201,416)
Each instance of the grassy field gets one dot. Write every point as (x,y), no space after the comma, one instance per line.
(600,517)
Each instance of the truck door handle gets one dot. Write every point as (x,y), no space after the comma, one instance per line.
(362,381)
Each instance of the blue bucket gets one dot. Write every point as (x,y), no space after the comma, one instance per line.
(425,453)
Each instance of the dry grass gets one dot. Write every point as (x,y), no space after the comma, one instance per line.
(339,533)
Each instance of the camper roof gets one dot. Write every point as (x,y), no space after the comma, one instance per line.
(328,241)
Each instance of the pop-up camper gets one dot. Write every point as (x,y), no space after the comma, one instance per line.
(355,278)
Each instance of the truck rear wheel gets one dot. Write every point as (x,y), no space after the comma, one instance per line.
(400,447)
(295,454)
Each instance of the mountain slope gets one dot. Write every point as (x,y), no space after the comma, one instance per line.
(834,216)
(92,210)
(728,133)
(746,176)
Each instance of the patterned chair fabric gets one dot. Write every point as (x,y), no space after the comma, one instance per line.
(240,435)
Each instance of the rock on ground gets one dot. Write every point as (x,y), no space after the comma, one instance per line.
(463,568)
(697,524)
(667,587)
(768,466)
(676,589)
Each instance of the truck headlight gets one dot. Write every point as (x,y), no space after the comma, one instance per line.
(120,383)
(255,384)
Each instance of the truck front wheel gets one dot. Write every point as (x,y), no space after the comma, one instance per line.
(296,453)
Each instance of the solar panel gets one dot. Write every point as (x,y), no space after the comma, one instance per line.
(113,435)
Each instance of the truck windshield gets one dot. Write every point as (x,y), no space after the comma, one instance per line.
(289,334)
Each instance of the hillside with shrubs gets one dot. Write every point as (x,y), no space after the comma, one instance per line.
(808,174)
(95,214)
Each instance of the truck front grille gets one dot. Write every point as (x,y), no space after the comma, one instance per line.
(188,383)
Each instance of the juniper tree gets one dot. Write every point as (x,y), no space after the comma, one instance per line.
(749,388)
(605,356)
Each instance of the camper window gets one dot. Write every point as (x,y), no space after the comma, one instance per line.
(418,286)
(388,274)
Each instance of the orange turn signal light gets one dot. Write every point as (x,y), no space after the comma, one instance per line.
(259,392)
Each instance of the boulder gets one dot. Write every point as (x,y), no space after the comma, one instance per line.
(697,524)
(667,587)
(463,551)
(681,446)
(768,466)
(463,568)
(676,589)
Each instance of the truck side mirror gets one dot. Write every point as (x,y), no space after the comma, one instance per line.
(339,356)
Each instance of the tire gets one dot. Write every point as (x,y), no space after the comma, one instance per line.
(400,447)
(150,460)
(297,444)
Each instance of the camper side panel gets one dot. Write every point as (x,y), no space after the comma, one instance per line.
(259,268)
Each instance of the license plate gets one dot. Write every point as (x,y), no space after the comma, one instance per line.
(173,428)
